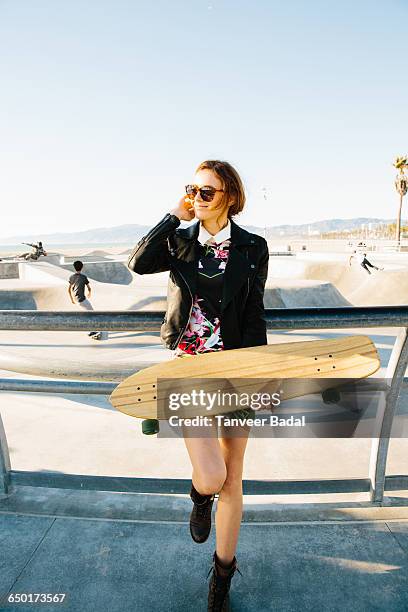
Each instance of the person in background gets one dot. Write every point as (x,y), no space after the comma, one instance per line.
(38,250)
(76,291)
(363,261)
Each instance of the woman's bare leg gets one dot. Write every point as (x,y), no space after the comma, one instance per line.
(217,467)
(209,471)
(229,506)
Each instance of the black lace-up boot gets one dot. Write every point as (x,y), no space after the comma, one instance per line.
(200,517)
(218,594)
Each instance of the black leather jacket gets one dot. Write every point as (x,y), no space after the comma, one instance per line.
(242,310)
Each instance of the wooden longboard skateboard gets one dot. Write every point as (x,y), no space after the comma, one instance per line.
(352,357)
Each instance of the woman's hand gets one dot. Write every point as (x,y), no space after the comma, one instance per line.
(184,209)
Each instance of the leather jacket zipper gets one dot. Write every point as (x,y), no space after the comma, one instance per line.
(246,253)
(189,314)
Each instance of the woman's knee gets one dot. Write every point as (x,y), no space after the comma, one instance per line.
(233,481)
(234,467)
(211,481)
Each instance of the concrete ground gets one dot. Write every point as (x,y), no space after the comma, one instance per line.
(124,564)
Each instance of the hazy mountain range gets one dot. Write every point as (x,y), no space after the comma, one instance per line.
(130,234)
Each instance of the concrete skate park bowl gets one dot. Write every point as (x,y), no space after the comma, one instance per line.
(313,281)
(298,281)
(43,286)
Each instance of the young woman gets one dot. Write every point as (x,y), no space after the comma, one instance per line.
(215,295)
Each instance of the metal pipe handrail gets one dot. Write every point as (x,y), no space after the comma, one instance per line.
(280,318)
(276,318)
(78,387)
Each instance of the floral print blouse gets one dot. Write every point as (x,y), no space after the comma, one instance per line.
(203,333)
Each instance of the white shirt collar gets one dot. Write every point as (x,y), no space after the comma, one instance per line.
(204,237)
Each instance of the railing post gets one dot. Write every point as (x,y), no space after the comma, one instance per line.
(380,443)
(5,465)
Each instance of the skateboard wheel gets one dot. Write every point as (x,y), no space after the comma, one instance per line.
(150,427)
(331,396)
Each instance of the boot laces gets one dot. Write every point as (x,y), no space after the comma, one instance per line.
(203,510)
(219,589)
(212,567)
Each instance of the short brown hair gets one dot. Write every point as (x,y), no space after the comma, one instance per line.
(231,182)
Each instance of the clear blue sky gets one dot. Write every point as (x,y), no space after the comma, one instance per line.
(107,106)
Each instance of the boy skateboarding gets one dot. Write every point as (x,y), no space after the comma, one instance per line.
(35,254)
(363,261)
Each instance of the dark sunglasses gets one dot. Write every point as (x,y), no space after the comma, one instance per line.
(207,193)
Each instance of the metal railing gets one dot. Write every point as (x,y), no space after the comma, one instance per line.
(277,319)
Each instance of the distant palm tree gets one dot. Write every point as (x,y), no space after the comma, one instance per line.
(401,185)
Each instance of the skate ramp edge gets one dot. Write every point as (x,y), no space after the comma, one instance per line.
(43,272)
(112,272)
(302,294)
